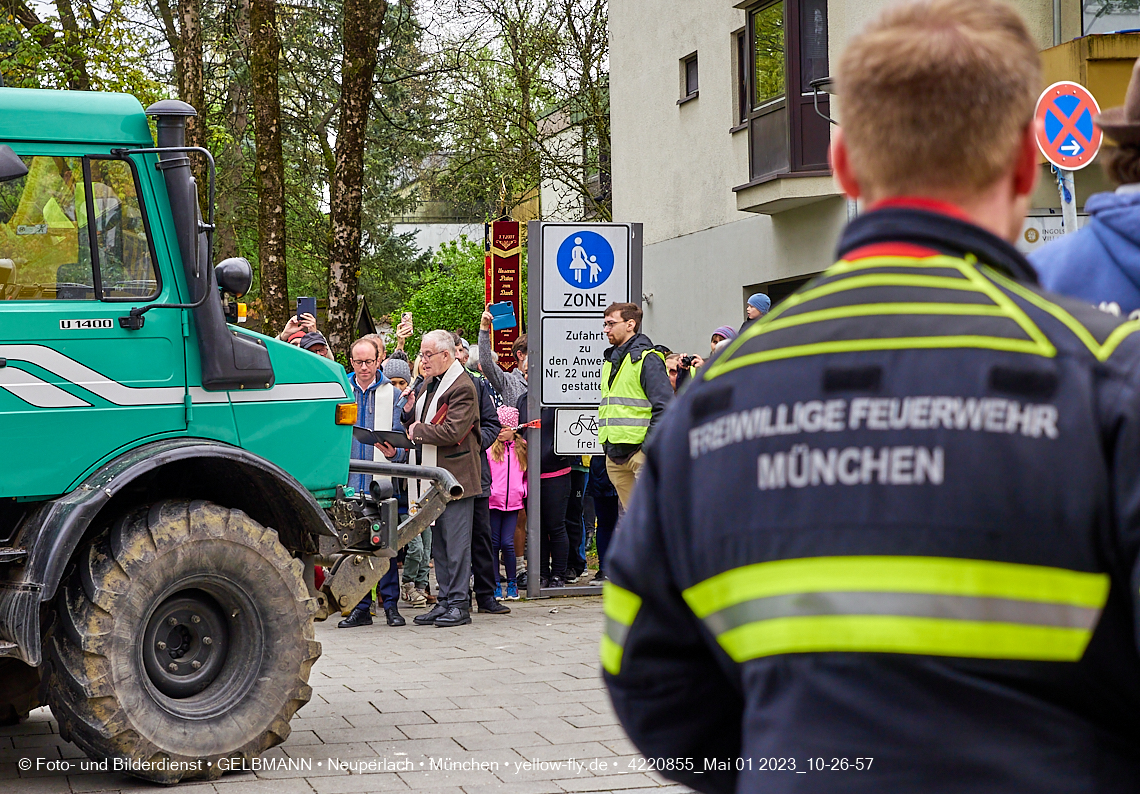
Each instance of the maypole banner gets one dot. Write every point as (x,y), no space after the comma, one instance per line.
(504,283)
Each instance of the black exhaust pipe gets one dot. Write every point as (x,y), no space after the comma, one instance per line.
(229,360)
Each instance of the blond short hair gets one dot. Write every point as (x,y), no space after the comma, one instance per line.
(935,96)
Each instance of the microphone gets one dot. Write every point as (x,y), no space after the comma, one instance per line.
(415,385)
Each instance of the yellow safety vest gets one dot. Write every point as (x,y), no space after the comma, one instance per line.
(624,413)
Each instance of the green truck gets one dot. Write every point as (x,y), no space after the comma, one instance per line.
(169,480)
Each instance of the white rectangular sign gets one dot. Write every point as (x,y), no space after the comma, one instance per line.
(585,267)
(1037,230)
(572,349)
(576,431)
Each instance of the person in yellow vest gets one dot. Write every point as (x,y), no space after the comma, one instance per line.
(635,391)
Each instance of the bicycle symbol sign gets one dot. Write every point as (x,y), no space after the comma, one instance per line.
(584,424)
(576,432)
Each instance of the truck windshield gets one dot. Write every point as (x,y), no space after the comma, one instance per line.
(46,235)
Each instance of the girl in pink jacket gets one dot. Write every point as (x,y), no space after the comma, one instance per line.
(507,457)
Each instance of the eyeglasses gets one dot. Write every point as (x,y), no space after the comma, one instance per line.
(611,323)
(360,362)
(427,356)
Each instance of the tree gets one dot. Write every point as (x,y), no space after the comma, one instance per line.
(184,36)
(450,293)
(363,23)
(542,71)
(265,51)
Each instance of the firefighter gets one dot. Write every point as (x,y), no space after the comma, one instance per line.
(888,540)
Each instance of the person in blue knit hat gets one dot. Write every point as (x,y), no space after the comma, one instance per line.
(758,305)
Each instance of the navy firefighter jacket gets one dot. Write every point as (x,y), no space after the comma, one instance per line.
(888,541)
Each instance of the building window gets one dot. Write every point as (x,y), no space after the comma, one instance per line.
(689,82)
(741,38)
(1108,16)
(786,49)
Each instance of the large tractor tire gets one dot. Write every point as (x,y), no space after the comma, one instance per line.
(183,636)
(19,688)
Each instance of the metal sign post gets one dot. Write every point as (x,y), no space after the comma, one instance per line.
(1067,138)
(575,271)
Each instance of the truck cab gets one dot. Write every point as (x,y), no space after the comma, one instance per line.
(171,478)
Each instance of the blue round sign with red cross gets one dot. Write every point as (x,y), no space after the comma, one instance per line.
(1066,134)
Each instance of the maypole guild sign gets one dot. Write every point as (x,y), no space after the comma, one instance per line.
(504,283)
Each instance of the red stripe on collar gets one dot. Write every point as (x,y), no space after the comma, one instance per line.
(890,249)
(921,203)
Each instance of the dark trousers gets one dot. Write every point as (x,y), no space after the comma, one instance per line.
(389,589)
(552,519)
(575,558)
(483,565)
(607,508)
(503,524)
(451,553)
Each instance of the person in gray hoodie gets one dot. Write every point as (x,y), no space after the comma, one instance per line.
(1100,264)
(509,385)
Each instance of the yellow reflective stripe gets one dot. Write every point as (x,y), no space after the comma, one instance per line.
(884,280)
(1118,335)
(932,575)
(610,653)
(620,604)
(986,286)
(1101,351)
(870,309)
(723,366)
(621,607)
(633,401)
(867,263)
(889,634)
(971,281)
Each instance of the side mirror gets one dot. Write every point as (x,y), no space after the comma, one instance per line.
(234,275)
(11,166)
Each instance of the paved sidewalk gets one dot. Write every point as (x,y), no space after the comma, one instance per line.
(516,701)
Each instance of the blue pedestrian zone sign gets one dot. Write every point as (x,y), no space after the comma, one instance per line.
(585,260)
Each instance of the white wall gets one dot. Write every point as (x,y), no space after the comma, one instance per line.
(674,166)
(431,235)
(693,294)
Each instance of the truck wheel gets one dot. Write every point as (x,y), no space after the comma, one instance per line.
(19,687)
(182,637)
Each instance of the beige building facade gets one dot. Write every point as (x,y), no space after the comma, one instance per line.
(718,150)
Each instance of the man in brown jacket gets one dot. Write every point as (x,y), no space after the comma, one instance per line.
(443,417)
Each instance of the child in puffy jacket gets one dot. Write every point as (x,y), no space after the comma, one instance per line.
(507,457)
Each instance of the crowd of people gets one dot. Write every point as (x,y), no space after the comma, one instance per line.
(464,413)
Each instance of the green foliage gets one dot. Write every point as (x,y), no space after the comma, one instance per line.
(449,295)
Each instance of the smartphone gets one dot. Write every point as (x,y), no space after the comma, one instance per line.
(407,318)
(306,306)
(502,315)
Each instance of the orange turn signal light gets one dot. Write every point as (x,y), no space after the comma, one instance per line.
(346,413)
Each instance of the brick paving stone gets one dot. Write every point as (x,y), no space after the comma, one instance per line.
(562,752)
(591,719)
(598,784)
(498,741)
(452,729)
(360,784)
(390,718)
